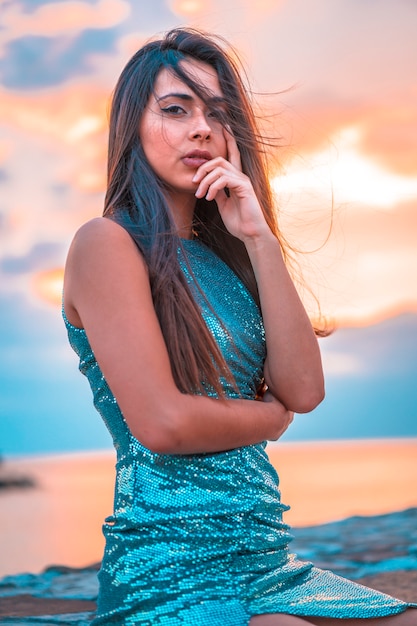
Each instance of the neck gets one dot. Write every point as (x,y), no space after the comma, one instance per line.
(182,211)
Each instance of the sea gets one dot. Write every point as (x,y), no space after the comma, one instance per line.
(46,404)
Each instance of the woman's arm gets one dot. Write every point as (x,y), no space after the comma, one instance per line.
(107,293)
(293,368)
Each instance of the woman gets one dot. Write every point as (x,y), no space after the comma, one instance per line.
(162,303)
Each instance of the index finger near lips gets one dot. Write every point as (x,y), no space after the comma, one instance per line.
(233,154)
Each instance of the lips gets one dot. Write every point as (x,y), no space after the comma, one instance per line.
(195,158)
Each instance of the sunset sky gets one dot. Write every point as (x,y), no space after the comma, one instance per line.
(347,115)
(342,82)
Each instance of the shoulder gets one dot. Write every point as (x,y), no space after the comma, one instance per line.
(100,240)
(101,230)
(102,258)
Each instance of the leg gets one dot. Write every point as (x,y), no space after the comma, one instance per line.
(408,618)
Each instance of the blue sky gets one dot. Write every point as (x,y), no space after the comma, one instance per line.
(47,407)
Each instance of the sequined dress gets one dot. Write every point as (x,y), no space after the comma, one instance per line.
(199,539)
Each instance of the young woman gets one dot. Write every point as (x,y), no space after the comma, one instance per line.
(180,307)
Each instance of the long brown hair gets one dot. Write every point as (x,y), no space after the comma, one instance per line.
(135,198)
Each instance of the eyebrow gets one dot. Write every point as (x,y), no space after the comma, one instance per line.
(187,97)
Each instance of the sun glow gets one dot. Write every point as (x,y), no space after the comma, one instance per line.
(48,285)
(351,177)
(188,8)
(86,125)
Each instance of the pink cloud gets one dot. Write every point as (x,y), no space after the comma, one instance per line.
(52,19)
(72,122)
(345,76)
(366,269)
(388,129)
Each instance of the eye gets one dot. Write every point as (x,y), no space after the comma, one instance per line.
(173,109)
(217,114)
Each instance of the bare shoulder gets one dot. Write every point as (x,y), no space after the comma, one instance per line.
(100,225)
(102,231)
(103,258)
(101,241)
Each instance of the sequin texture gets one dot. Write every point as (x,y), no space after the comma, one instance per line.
(200,539)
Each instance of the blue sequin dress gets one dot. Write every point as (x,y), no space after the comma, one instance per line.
(199,539)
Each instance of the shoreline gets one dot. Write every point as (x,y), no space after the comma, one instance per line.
(401,584)
(376,551)
(354,510)
(60,519)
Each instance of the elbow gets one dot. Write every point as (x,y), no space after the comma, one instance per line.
(157,443)
(308,400)
(160,436)
(301,397)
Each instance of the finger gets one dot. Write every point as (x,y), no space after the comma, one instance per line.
(210,166)
(233,154)
(212,189)
(209,179)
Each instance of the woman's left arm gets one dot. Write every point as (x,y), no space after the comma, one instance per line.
(293,370)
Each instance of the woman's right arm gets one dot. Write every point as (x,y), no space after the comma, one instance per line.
(107,292)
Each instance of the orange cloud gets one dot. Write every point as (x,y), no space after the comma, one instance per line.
(390,137)
(366,269)
(48,285)
(59,135)
(189,8)
(50,20)
(349,174)
(69,113)
(388,129)
(236,21)
(72,121)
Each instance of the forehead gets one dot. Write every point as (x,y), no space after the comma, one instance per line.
(200,73)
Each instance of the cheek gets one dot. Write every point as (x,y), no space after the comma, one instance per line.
(160,138)
(222,145)
(225,154)
(150,130)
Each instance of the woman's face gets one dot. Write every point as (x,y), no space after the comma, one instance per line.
(179,132)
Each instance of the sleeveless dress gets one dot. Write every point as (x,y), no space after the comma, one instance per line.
(199,539)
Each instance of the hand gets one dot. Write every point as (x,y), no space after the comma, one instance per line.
(238,206)
(284,417)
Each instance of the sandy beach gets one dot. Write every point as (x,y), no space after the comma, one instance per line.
(58,522)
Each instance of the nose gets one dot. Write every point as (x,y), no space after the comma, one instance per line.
(200,129)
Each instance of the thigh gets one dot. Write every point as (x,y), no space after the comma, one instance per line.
(279,619)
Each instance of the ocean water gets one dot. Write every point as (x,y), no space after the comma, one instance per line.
(46,404)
